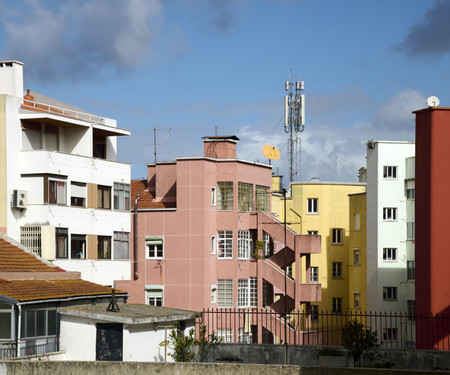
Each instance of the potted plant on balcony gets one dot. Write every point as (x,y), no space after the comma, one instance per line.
(258,250)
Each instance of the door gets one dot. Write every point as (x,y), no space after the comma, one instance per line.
(109,342)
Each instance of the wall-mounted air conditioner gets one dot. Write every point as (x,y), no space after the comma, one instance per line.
(19,199)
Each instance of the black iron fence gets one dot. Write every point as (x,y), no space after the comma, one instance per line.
(394,330)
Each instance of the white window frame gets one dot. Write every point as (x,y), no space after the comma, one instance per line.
(245,197)
(248,292)
(337,236)
(121,197)
(225,293)
(8,313)
(78,190)
(314,274)
(390,254)
(213,196)
(410,230)
(61,197)
(390,172)
(225,334)
(312,206)
(266,240)
(154,294)
(356,257)
(224,198)
(390,214)
(151,247)
(356,300)
(390,293)
(225,244)
(245,244)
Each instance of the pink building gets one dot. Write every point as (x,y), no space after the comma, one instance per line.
(200,222)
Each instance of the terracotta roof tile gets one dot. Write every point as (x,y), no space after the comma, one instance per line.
(14,259)
(33,290)
(146,200)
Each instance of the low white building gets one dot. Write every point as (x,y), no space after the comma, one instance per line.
(134,333)
(63,194)
(390,228)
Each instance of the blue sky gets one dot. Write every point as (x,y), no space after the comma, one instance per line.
(193,65)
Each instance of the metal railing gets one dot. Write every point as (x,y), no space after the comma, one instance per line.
(394,330)
(30,348)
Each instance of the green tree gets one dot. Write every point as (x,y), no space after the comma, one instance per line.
(358,340)
(187,348)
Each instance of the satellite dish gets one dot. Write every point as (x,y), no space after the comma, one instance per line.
(433,101)
(271,152)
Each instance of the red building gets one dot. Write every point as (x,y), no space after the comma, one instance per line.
(432,219)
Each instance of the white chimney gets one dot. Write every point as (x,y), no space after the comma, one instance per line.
(11,78)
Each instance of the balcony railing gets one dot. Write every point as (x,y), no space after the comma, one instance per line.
(30,348)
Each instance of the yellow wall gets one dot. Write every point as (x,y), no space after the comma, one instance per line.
(333,212)
(357,240)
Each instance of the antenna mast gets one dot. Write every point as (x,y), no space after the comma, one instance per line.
(294,122)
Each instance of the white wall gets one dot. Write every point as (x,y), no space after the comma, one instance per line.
(77,339)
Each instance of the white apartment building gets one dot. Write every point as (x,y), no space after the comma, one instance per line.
(63,194)
(390,226)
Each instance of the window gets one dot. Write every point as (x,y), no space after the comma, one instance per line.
(337,269)
(357,221)
(155,247)
(411,267)
(104,196)
(313,205)
(411,309)
(225,243)
(411,231)
(225,334)
(266,240)
(225,293)
(389,253)
(356,300)
(213,293)
(38,323)
(155,296)
(245,244)
(356,257)
(390,172)
(314,274)
(121,196)
(390,293)
(245,196)
(57,192)
(103,247)
(410,193)
(99,150)
(390,334)
(6,321)
(314,313)
(390,213)
(78,246)
(336,236)
(248,292)
(62,242)
(225,195)
(213,196)
(77,194)
(121,245)
(337,305)
(245,337)
(213,245)
(31,237)
(262,198)
(312,233)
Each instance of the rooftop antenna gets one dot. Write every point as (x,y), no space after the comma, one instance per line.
(271,153)
(154,139)
(294,122)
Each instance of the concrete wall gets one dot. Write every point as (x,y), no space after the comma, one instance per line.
(138,368)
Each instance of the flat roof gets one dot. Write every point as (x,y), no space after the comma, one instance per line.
(130,313)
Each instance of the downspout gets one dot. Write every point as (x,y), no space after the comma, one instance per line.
(19,325)
(135,229)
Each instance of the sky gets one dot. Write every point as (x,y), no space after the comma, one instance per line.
(191,68)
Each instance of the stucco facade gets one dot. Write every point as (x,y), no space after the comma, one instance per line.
(63,194)
(199,221)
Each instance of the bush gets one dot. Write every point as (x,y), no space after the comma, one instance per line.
(358,340)
(189,348)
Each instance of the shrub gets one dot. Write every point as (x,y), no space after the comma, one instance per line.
(358,340)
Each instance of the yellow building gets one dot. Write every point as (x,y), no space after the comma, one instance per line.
(323,208)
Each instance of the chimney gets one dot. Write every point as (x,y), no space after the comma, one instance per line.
(11,78)
(220,147)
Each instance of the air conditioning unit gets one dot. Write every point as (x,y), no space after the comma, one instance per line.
(19,199)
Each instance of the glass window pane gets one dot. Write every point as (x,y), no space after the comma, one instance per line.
(41,322)
(51,322)
(5,325)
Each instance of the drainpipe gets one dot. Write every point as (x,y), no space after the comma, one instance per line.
(135,229)
(19,325)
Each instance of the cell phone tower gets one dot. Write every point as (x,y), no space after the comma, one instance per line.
(294,122)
